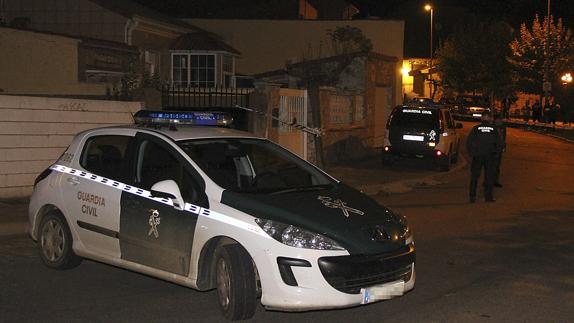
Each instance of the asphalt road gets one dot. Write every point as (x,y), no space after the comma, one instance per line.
(509,261)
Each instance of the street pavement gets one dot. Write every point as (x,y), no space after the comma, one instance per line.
(508,261)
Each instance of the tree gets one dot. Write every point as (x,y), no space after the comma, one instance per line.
(348,39)
(473,59)
(528,53)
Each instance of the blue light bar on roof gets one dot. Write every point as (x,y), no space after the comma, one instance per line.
(183,118)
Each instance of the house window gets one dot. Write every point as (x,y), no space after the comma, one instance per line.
(202,70)
(195,70)
(151,62)
(180,65)
(227,70)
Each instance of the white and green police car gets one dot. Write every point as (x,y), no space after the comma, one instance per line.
(209,207)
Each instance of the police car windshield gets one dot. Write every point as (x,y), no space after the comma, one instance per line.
(415,118)
(254,166)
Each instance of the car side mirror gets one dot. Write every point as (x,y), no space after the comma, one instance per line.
(168,189)
(458,125)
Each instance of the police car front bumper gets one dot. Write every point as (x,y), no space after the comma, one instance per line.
(320,280)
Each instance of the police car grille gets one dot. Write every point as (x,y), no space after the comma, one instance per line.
(353,285)
(348,274)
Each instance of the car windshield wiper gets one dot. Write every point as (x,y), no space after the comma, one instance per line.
(302,189)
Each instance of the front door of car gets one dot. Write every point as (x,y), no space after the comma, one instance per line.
(153,233)
(94,206)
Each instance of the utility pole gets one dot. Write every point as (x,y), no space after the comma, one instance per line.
(546,84)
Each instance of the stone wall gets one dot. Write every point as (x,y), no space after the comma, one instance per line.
(34,131)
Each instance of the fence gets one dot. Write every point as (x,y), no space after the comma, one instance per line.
(174,97)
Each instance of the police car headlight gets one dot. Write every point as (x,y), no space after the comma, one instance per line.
(296,237)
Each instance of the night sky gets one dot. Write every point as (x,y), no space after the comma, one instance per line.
(447,14)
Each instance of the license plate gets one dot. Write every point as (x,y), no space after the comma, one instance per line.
(413,138)
(381,292)
(477,115)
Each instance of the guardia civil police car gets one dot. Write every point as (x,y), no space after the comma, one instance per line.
(422,131)
(214,208)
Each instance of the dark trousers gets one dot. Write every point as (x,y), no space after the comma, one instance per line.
(478,163)
(497,161)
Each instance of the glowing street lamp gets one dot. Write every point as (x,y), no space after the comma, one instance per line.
(566,78)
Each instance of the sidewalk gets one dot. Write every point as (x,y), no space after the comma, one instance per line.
(560,130)
(13,217)
(373,179)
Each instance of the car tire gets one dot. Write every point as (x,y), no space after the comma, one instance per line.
(236,283)
(444,164)
(387,161)
(55,243)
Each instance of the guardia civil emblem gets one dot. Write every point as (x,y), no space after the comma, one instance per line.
(338,204)
(154,221)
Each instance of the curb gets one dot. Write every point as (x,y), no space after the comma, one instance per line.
(404,186)
(533,128)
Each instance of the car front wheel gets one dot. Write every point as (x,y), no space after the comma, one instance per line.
(55,243)
(236,283)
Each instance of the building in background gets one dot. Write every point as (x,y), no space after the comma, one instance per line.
(170,49)
(268,45)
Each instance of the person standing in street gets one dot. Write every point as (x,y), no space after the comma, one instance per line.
(536,111)
(527,111)
(482,144)
(501,131)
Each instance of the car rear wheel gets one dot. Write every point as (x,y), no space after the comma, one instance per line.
(387,160)
(236,283)
(444,163)
(55,243)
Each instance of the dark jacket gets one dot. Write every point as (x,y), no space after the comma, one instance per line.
(483,141)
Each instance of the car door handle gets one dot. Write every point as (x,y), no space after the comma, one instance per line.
(73,180)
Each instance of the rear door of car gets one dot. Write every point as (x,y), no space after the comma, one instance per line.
(411,128)
(153,233)
(450,135)
(92,204)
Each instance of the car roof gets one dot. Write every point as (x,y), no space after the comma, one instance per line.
(422,106)
(184,132)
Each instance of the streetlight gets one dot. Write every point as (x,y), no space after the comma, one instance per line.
(428,7)
(566,78)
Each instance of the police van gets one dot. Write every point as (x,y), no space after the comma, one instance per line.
(181,197)
(422,131)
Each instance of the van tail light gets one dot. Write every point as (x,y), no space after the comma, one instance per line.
(438,153)
(42,175)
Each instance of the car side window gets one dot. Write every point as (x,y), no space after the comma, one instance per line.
(105,155)
(155,163)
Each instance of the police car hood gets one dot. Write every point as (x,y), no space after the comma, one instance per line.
(352,219)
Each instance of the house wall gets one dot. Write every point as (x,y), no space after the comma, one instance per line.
(36,63)
(70,17)
(34,131)
(267,45)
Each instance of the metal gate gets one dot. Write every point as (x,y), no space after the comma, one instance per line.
(293,109)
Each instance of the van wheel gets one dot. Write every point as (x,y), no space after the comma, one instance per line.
(387,161)
(55,243)
(236,285)
(444,164)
